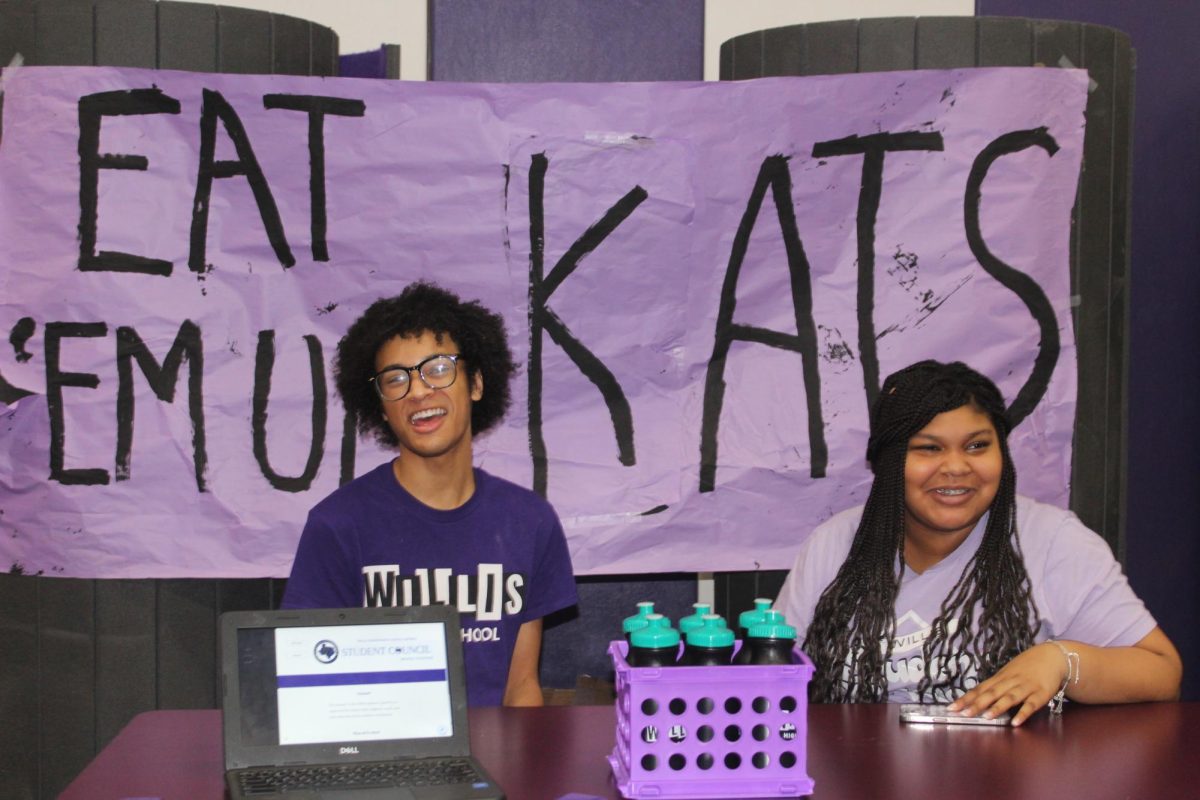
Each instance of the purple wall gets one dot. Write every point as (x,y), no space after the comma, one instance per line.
(566,40)
(1162,545)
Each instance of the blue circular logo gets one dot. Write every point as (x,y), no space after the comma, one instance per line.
(325,651)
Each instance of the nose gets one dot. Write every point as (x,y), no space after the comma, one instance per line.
(416,386)
(955,463)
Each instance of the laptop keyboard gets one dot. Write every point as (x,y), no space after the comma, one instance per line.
(422,772)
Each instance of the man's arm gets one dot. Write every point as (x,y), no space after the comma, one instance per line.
(523,688)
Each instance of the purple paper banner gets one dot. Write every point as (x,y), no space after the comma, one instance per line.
(705,283)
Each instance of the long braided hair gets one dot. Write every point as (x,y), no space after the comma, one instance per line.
(853,627)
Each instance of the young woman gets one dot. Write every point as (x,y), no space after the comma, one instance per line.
(949,587)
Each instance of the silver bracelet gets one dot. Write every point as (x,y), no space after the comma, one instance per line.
(1072,677)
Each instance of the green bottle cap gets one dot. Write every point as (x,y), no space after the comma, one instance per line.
(638,620)
(713,633)
(772,627)
(657,634)
(695,620)
(754,615)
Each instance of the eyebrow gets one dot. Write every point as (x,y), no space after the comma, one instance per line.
(972,435)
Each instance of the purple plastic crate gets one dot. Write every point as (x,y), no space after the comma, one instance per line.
(711,732)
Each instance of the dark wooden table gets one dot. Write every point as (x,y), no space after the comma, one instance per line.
(857,752)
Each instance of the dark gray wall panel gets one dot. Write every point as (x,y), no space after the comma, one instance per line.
(236,595)
(64,34)
(1054,40)
(830,48)
(736,592)
(66,680)
(126,665)
(324,46)
(945,42)
(188,33)
(244,41)
(187,643)
(1120,387)
(17,30)
(789,59)
(745,54)
(887,44)
(1005,42)
(20,760)
(1096,213)
(126,33)
(292,45)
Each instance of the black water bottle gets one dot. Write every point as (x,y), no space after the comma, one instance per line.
(655,645)
(771,641)
(710,645)
(747,620)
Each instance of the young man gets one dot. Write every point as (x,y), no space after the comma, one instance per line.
(424,372)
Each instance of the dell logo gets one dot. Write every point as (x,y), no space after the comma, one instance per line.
(347,751)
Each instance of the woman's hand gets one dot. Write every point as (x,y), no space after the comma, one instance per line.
(1026,683)
(1148,670)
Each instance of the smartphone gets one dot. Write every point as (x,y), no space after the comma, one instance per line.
(922,712)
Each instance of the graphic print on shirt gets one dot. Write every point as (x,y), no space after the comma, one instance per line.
(488,594)
(907,665)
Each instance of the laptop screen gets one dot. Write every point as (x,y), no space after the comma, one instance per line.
(347,683)
(318,686)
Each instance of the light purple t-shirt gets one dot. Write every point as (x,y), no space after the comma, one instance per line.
(1078,588)
(500,558)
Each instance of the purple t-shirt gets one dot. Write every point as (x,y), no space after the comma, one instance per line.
(500,558)
(1078,588)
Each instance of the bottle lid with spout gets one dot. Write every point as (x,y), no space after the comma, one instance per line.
(772,626)
(754,615)
(638,620)
(694,620)
(656,634)
(711,633)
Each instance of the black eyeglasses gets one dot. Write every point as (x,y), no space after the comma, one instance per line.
(437,372)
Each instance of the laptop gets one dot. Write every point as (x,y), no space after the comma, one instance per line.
(347,704)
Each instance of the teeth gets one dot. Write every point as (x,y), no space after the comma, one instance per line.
(427,414)
(951,492)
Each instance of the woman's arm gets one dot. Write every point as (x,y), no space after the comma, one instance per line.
(1148,670)
(523,688)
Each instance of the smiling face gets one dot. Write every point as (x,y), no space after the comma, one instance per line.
(430,423)
(951,475)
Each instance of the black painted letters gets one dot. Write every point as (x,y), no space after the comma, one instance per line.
(773,175)
(92,109)
(316,107)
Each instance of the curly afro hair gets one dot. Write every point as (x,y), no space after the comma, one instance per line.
(425,307)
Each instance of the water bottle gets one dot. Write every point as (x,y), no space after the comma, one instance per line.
(710,645)
(654,645)
(746,620)
(771,641)
(694,620)
(638,620)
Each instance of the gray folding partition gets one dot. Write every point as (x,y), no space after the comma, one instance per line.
(79,658)
(1100,219)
